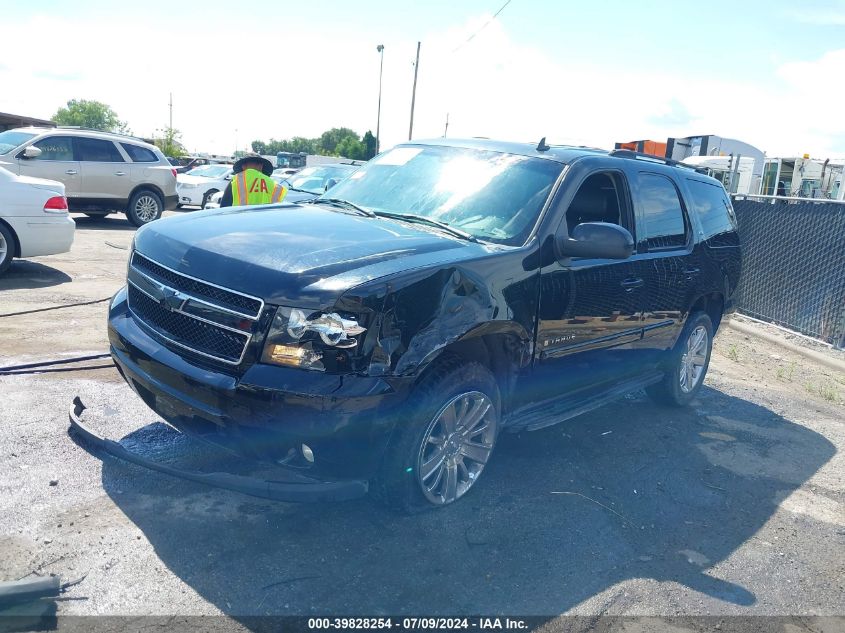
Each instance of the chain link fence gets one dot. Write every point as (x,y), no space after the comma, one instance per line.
(793,271)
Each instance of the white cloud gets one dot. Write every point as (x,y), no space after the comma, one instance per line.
(313,80)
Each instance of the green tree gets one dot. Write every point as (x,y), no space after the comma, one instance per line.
(370,144)
(330,139)
(90,114)
(338,141)
(170,142)
(351,147)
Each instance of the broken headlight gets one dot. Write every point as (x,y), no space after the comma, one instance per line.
(301,339)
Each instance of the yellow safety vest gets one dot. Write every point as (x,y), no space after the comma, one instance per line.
(253,187)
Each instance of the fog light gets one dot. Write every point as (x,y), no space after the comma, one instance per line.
(307,453)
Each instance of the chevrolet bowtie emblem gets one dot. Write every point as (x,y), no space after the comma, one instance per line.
(171,300)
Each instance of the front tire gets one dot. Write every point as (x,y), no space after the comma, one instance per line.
(144,207)
(207,197)
(437,455)
(687,363)
(7,248)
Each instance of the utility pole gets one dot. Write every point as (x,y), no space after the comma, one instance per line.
(171,113)
(380,50)
(414,93)
(447,125)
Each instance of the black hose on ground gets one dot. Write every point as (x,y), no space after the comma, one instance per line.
(62,361)
(53,371)
(67,305)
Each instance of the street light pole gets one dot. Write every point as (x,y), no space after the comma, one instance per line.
(414,93)
(380,49)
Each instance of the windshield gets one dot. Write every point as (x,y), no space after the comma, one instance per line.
(10,139)
(315,179)
(210,171)
(491,195)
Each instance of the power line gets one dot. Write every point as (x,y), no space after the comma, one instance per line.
(483,26)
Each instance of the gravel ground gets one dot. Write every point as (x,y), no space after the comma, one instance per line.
(734,506)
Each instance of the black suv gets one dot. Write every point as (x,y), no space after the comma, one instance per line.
(383,335)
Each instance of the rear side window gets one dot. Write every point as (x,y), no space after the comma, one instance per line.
(713,208)
(139,154)
(663,213)
(94,150)
(55,148)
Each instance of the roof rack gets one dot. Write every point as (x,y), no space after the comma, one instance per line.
(91,129)
(628,153)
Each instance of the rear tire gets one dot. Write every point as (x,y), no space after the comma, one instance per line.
(437,454)
(7,247)
(687,364)
(144,207)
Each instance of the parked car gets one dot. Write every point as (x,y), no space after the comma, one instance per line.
(185,164)
(34,218)
(384,335)
(102,172)
(304,184)
(198,185)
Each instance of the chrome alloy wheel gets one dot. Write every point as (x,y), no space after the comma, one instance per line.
(456,447)
(4,248)
(146,208)
(694,359)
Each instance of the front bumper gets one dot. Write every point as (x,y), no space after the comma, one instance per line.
(192,195)
(290,486)
(262,411)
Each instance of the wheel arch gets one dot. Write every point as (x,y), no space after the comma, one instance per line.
(147,186)
(503,347)
(713,305)
(16,245)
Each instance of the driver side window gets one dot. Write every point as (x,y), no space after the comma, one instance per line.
(600,198)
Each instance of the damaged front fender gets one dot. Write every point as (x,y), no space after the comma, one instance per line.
(429,311)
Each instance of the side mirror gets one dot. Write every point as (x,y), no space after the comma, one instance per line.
(596,240)
(31,152)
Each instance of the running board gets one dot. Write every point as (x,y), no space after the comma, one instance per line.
(566,409)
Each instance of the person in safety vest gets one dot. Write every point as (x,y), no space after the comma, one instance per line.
(251,183)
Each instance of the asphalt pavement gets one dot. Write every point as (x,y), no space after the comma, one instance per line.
(734,506)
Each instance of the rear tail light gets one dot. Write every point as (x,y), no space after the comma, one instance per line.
(173,171)
(56,204)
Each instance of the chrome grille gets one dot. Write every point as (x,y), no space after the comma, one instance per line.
(248,306)
(194,315)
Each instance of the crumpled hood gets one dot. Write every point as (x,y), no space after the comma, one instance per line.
(301,255)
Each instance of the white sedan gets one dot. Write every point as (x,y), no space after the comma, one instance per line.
(198,185)
(34,218)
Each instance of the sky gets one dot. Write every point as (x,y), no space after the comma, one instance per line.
(594,72)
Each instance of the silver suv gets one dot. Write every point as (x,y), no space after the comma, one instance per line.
(102,172)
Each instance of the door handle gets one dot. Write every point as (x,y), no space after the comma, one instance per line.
(71,172)
(120,173)
(689,273)
(631,283)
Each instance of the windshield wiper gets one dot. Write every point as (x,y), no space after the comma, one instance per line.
(344,204)
(421,219)
(315,193)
